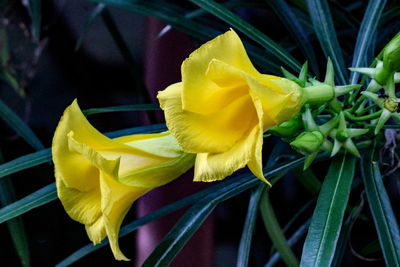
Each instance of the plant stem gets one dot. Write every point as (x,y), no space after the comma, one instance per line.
(363,118)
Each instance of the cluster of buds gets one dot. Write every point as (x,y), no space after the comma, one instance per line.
(331,135)
(384,76)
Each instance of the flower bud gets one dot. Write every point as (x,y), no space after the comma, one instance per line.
(391,55)
(287,128)
(308,142)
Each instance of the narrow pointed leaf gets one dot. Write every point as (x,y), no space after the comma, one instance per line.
(19,126)
(34,200)
(192,219)
(137,107)
(323,26)
(365,35)
(16,225)
(248,228)
(275,232)
(323,234)
(385,221)
(25,162)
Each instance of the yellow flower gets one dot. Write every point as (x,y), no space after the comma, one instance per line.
(222,107)
(99,178)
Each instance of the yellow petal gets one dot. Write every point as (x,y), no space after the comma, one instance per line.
(215,132)
(161,174)
(294,101)
(116,200)
(160,144)
(83,207)
(96,231)
(255,161)
(216,166)
(272,102)
(199,91)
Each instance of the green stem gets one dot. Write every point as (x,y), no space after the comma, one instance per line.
(363,118)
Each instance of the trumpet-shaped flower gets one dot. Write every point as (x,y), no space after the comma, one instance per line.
(222,107)
(99,178)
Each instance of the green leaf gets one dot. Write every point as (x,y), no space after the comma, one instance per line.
(285,13)
(19,126)
(365,35)
(192,219)
(34,200)
(137,107)
(25,162)
(44,155)
(385,221)
(16,225)
(229,17)
(275,232)
(323,234)
(323,26)
(248,228)
(88,23)
(34,7)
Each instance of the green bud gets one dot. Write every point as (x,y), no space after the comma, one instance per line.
(382,75)
(341,135)
(287,128)
(391,54)
(308,142)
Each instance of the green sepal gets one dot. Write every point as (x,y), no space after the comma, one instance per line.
(303,74)
(336,147)
(385,116)
(373,86)
(351,147)
(356,132)
(326,146)
(370,72)
(309,159)
(344,89)
(308,120)
(330,73)
(328,126)
(374,97)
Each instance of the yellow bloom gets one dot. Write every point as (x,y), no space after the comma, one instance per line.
(99,178)
(222,107)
